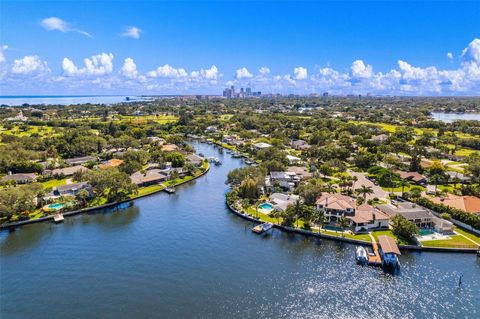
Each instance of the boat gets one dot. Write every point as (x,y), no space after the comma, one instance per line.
(260,229)
(361,255)
(58,218)
(236,155)
(218,162)
(169,190)
(249,162)
(478,252)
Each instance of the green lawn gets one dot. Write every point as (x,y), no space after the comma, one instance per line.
(455,241)
(149,189)
(54,183)
(470,235)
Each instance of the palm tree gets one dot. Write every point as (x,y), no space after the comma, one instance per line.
(354,180)
(298,212)
(403,184)
(277,214)
(364,191)
(320,219)
(343,223)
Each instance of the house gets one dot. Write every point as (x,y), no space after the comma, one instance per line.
(452,176)
(69,171)
(281,201)
(114,162)
(379,139)
(469,204)
(431,189)
(261,146)
(70,190)
(420,216)
(301,172)
(300,145)
(287,180)
(20,178)
(293,160)
(415,177)
(195,159)
(362,218)
(169,148)
(80,160)
(156,140)
(211,129)
(150,177)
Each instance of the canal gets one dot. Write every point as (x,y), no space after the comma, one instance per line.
(186,256)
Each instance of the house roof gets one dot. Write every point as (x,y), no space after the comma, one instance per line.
(69,170)
(300,171)
(261,145)
(169,147)
(114,162)
(67,187)
(149,176)
(364,214)
(414,176)
(194,158)
(388,245)
(470,204)
(336,201)
(20,177)
(81,159)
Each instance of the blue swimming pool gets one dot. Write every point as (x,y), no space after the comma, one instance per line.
(56,206)
(266,206)
(424,232)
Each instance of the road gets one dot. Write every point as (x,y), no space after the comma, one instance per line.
(363,180)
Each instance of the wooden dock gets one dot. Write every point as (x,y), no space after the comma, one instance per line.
(374,258)
(58,218)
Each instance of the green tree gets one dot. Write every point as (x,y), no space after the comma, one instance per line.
(364,191)
(343,223)
(403,228)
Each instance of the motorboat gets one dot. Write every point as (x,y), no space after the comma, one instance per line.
(361,255)
(260,229)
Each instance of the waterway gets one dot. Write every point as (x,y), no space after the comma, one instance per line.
(450,117)
(186,256)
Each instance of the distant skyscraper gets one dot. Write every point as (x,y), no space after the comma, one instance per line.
(248,92)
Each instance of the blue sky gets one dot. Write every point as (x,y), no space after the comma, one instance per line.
(389,47)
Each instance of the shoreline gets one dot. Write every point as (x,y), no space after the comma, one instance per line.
(350,240)
(89,209)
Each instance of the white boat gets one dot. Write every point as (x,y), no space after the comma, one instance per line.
(259,229)
(58,218)
(361,255)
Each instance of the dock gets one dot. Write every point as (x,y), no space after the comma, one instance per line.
(374,258)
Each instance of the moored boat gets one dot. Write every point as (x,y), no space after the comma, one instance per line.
(361,255)
(169,190)
(259,229)
(58,218)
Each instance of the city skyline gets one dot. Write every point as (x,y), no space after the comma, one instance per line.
(163,48)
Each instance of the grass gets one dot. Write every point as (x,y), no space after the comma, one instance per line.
(41,130)
(54,183)
(468,234)
(149,190)
(455,241)
(399,189)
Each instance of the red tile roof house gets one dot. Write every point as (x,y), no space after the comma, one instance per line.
(362,218)
(469,204)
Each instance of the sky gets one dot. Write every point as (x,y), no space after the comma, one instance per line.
(158,47)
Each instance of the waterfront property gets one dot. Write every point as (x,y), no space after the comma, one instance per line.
(281,201)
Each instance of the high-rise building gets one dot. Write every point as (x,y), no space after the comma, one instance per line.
(248,92)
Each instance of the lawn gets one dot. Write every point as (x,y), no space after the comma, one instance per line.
(54,183)
(470,235)
(455,241)
(41,130)
(149,189)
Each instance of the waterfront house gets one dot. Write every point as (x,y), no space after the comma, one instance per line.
(362,218)
(286,180)
(20,178)
(70,190)
(261,146)
(195,159)
(281,201)
(81,160)
(150,177)
(418,215)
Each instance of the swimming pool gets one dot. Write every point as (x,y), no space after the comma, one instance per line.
(266,206)
(55,206)
(425,232)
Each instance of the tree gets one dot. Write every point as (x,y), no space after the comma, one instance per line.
(404,229)
(307,213)
(248,189)
(320,219)
(343,223)
(176,158)
(82,196)
(288,216)
(404,183)
(111,183)
(364,191)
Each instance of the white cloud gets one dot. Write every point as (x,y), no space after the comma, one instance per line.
(264,70)
(129,68)
(300,73)
(243,73)
(132,32)
(30,64)
(167,71)
(3,48)
(208,74)
(472,52)
(97,65)
(361,70)
(450,55)
(54,23)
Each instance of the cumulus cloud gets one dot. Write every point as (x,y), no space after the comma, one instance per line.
(129,68)
(132,32)
(243,73)
(3,48)
(30,64)
(167,71)
(472,52)
(54,23)
(361,70)
(450,55)
(97,65)
(300,73)
(208,74)
(264,70)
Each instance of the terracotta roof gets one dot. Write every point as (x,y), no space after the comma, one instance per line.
(114,162)
(388,245)
(470,204)
(336,201)
(364,214)
(169,147)
(414,176)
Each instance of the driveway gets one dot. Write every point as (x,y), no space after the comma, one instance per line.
(363,180)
